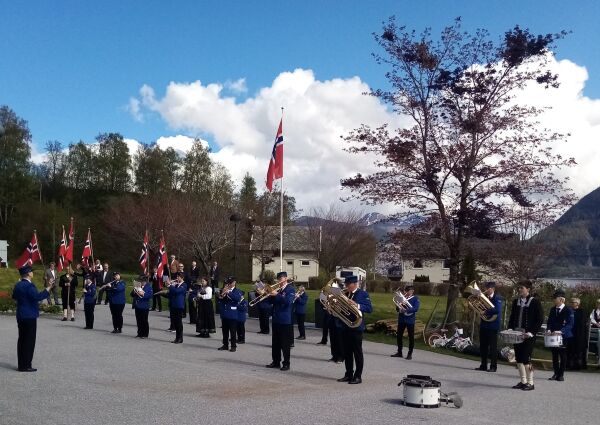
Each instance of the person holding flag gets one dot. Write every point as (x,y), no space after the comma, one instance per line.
(87,252)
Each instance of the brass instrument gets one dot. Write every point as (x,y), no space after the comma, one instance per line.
(263,291)
(226,290)
(401,301)
(480,303)
(86,285)
(339,305)
(298,294)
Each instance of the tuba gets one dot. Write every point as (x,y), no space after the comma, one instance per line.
(401,301)
(263,291)
(480,303)
(339,305)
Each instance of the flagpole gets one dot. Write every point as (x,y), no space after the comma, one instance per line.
(281,215)
(91,248)
(39,250)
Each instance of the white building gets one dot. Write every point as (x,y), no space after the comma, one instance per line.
(301,246)
(3,254)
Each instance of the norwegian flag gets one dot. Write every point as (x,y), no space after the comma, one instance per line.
(31,254)
(87,250)
(71,247)
(144,254)
(161,261)
(276,163)
(62,252)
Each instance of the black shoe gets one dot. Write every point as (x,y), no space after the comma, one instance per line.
(105,303)
(560,378)
(553,377)
(322,343)
(28,369)
(528,387)
(72,319)
(241,342)
(482,367)
(232,349)
(355,381)
(115,331)
(338,361)
(301,338)
(409,356)
(119,331)
(177,341)
(272,365)
(152,309)
(333,359)
(87,328)
(519,386)
(223,348)
(344,379)
(64,319)
(398,354)
(492,369)
(292,346)
(285,368)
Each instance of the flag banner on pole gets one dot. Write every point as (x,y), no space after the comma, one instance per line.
(144,254)
(275,170)
(62,252)
(71,246)
(87,250)
(31,253)
(161,261)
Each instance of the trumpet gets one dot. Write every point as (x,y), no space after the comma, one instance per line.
(337,303)
(401,301)
(226,290)
(263,291)
(480,303)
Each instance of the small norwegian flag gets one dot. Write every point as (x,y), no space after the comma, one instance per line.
(161,261)
(62,252)
(144,254)
(87,250)
(71,247)
(31,253)
(276,162)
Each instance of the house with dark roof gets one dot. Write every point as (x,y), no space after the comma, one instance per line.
(301,247)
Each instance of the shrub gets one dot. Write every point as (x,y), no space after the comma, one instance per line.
(421,278)
(316,282)
(7,304)
(424,288)
(51,309)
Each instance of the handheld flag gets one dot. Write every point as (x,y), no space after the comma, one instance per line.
(144,254)
(31,253)
(62,252)
(71,247)
(87,250)
(161,261)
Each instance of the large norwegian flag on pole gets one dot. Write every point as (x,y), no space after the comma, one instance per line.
(71,246)
(62,252)
(31,254)
(87,249)
(276,163)
(144,254)
(161,261)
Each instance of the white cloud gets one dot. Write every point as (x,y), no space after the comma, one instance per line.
(237,86)
(134,109)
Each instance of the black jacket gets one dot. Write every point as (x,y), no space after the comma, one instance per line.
(533,315)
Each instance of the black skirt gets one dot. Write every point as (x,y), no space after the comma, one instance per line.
(206,316)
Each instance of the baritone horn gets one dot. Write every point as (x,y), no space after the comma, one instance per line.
(480,303)
(339,305)
(401,301)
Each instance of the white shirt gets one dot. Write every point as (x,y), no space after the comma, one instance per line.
(594,322)
(208,295)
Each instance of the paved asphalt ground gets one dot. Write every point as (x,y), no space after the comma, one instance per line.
(94,377)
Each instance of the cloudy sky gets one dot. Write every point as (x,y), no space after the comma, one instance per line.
(167,72)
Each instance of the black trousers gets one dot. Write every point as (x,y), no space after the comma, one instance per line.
(559,360)
(229,328)
(300,321)
(141,318)
(116,311)
(101,292)
(353,354)
(326,320)
(88,309)
(26,342)
(488,346)
(281,343)
(523,351)
(184,311)
(335,338)
(157,300)
(411,336)
(263,320)
(177,322)
(193,311)
(68,302)
(241,331)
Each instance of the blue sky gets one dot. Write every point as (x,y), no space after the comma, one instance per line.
(70,67)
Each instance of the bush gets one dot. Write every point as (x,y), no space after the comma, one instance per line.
(7,304)
(421,278)
(317,282)
(424,288)
(51,309)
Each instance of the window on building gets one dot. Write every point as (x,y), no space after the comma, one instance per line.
(305,263)
(417,263)
(290,263)
(446,263)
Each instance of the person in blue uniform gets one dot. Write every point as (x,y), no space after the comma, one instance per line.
(300,300)
(406,321)
(116,301)
(229,299)
(488,330)
(142,297)
(352,337)
(27,298)
(282,301)
(335,332)
(89,301)
(176,295)
(242,316)
(265,309)
(560,322)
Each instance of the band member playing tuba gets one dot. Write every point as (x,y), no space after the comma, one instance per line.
(282,301)
(228,300)
(526,316)
(89,301)
(300,300)
(488,329)
(407,312)
(142,295)
(560,322)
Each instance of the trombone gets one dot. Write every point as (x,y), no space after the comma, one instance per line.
(263,291)
(336,302)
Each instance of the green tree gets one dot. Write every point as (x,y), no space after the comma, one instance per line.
(113,163)
(81,167)
(197,168)
(155,170)
(247,196)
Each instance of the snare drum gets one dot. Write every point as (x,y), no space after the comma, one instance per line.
(421,391)
(553,341)
(512,337)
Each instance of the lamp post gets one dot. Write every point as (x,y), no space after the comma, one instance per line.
(235,218)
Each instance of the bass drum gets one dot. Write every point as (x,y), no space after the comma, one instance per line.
(421,391)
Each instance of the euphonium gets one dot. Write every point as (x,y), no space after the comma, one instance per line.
(339,305)
(401,301)
(480,303)
(263,291)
